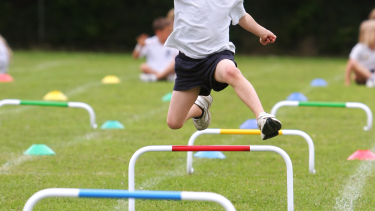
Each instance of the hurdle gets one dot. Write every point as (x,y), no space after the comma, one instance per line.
(102,193)
(52,103)
(327,104)
(169,148)
(304,135)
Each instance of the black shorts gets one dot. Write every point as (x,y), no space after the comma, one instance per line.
(193,73)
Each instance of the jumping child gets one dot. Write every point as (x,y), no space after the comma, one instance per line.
(206,61)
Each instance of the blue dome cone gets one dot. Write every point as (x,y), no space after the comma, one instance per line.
(210,154)
(249,124)
(297,96)
(112,124)
(318,82)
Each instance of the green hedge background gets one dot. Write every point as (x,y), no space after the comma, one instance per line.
(309,27)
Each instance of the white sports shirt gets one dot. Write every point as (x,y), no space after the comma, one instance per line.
(158,57)
(364,55)
(4,57)
(201,27)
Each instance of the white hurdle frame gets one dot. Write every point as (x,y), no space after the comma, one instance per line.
(52,103)
(362,106)
(169,148)
(309,141)
(101,193)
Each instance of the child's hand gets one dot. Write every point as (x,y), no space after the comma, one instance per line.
(267,38)
(141,39)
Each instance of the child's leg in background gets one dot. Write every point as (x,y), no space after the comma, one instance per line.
(227,72)
(182,107)
(3,67)
(361,72)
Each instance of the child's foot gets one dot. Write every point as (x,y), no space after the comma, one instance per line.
(148,77)
(371,81)
(204,102)
(268,125)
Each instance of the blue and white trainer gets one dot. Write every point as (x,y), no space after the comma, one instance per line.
(268,125)
(204,102)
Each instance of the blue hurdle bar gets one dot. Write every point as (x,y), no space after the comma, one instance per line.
(101,193)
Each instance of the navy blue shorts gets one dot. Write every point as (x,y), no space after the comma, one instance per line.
(193,73)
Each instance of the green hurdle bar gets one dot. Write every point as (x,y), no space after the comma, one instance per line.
(327,104)
(51,103)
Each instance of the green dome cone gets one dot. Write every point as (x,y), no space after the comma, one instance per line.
(112,124)
(39,149)
(167,97)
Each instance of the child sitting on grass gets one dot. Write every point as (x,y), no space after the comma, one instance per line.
(206,61)
(5,55)
(159,59)
(362,57)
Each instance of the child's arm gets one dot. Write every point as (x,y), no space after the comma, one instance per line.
(168,70)
(249,24)
(141,39)
(348,70)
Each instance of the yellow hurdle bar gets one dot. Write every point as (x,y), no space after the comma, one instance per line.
(243,131)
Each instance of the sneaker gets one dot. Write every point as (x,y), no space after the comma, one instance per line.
(204,102)
(148,77)
(268,125)
(371,81)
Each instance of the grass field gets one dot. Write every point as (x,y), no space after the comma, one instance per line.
(88,158)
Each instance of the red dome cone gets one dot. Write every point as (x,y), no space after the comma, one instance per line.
(5,78)
(362,155)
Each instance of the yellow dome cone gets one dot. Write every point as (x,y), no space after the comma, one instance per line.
(55,95)
(110,79)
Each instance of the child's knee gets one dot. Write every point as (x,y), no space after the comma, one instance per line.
(143,67)
(173,124)
(231,73)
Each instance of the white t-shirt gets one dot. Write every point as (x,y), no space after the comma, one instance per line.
(201,27)
(364,55)
(158,57)
(4,57)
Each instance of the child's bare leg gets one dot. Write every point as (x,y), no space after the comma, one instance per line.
(147,69)
(361,72)
(227,72)
(182,107)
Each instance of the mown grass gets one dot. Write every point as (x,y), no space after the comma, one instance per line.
(88,158)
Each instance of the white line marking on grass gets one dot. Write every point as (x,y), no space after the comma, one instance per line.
(354,185)
(136,118)
(14,110)
(6,167)
(353,189)
(82,88)
(52,64)
(122,204)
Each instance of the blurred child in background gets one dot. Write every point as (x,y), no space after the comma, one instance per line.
(170,15)
(362,57)
(159,59)
(5,55)
(372,14)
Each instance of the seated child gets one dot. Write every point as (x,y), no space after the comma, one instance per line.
(5,55)
(362,57)
(159,59)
